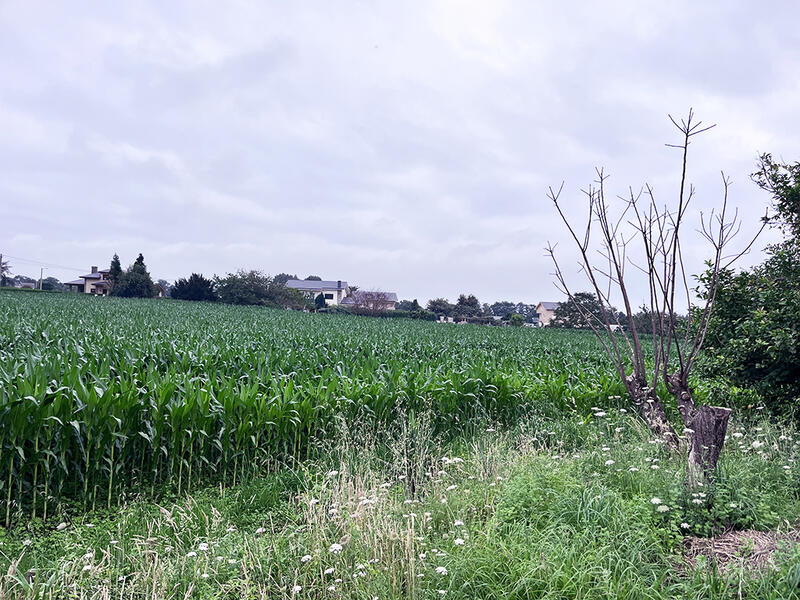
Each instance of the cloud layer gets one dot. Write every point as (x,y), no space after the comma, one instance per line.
(400,146)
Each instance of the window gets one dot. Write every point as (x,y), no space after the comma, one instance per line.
(328,296)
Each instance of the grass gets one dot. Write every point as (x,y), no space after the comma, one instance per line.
(174,450)
(516,513)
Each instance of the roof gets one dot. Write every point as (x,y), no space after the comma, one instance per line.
(359,295)
(76,282)
(305,285)
(550,305)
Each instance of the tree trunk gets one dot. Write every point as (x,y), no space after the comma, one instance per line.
(708,428)
(651,410)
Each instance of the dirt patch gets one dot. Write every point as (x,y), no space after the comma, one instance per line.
(754,550)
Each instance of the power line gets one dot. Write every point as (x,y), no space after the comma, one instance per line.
(43,264)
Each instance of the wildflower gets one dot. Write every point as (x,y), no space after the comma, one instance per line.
(331,588)
(260,530)
(114,542)
(203,547)
(61,527)
(204,575)
(441,571)
(231,561)
(609,462)
(654,467)
(333,473)
(335,548)
(684,525)
(296,589)
(87,568)
(26,542)
(305,558)
(442,592)
(738,434)
(732,504)
(458,523)
(756,444)
(450,488)
(600,413)
(191,554)
(787,467)
(655,501)
(662,508)
(458,542)
(231,529)
(633,469)
(329,571)
(697,501)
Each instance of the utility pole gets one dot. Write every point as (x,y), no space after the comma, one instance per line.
(41,274)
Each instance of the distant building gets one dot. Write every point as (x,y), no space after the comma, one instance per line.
(369,300)
(546,311)
(333,291)
(96,283)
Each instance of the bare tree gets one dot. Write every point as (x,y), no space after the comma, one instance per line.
(609,264)
(371,301)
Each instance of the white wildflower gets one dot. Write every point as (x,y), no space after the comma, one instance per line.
(335,548)
(458,542)
(61,527)
(441,570)
(655,501)
(305,558)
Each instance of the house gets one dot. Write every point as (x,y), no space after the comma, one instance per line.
(374,301)
(333,291)
(546,312)
(95,283)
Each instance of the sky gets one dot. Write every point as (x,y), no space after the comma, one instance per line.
(401,146)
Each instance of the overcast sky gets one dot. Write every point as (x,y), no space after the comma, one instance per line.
(403,146)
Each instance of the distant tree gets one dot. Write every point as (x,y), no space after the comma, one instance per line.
(282,278)
(467,306)
(588,308)
(114,270)
(256,287)
(52,284)
(371,302)
(196,287)
(409,305)
(18,280)
(5,272)
(503,308)
(135,282)
(441,307)
(319,301)
(516,320)
(164,285)
(313,278)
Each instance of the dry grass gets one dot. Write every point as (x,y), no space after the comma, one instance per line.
(752,550)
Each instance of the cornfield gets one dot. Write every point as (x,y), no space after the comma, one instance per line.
(102,397)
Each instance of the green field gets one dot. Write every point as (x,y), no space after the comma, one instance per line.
(158,449)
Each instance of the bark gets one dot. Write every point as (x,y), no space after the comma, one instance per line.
(651,410)
(708,428)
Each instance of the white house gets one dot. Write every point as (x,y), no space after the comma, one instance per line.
(546,312)
(96,283)
(333,291)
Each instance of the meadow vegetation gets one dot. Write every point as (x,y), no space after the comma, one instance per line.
(179,450)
